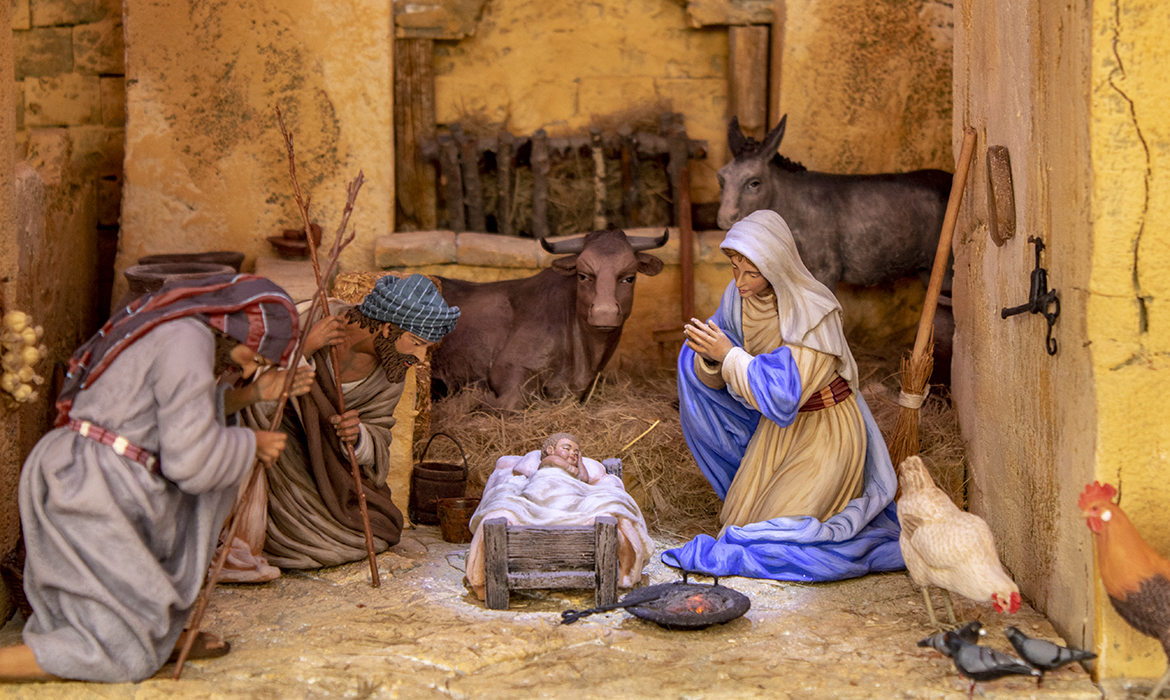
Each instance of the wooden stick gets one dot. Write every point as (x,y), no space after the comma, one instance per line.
(453,182)
(472,186)
(903,440)
(686,243)
(335,359)
(504,141)
(630,173)
(644,434)
(598,151)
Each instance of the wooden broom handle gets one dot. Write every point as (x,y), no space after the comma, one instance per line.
(958,184)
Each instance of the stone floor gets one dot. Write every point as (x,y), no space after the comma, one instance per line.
(327,634)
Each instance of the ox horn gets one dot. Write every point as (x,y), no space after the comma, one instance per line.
(648,242)
(571,246)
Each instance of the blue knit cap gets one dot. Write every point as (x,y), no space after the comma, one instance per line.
(413,304)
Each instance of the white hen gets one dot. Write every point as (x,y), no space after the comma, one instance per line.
(949,548)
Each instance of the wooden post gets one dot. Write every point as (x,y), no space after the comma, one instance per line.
(598,151)
(679,156)
(453,182)
(472,187)
(495,563)
(776,49)
(540,170)
(686,245)
(414,121)
(631,177)
(504,146)
(605,554)
(748,78)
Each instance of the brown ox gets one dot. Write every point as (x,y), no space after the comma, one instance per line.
(548,334)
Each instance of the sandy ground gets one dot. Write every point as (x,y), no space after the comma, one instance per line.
(422,634)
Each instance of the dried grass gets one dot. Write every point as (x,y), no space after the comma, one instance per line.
(659,470)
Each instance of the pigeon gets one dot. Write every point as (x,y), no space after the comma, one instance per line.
(982,664)
(1044,655)
(969,632)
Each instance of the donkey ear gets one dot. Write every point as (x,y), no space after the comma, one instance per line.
(772,140)
(735,137)
(566,266)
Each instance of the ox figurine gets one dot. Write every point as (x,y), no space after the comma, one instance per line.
(549,334)
(858,229)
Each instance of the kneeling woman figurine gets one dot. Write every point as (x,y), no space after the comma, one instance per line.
(122,503)
(771,411)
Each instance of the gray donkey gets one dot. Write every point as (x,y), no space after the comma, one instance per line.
(858,229)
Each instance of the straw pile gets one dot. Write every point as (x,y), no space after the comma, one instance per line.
(659,470)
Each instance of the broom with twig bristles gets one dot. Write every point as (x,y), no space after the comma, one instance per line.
(916,369)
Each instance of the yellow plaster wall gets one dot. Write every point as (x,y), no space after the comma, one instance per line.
(867,85)
(1128,314)
(1075,94)
(205,165)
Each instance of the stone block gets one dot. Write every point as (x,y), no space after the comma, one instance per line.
(43,52)
(98,151)
(49,13)
(415,248)
(21,18)
(491,250)
(49,152)
(99,47)
(64,100)
(113,96)
(109,201)
(295,276)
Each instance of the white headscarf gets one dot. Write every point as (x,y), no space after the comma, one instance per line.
(808,313)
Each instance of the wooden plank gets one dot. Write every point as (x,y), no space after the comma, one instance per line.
(677,138)
(472,186)
(540,170)
(504,156)
(631,178)
(550,548)
(552,579)
(748,78)
(414,122)
(452,182)
(703,13)
(686,242)
(495,545)
(598,152)
(605,534)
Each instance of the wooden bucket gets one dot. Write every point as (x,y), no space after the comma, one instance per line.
(455,518)
(432,481)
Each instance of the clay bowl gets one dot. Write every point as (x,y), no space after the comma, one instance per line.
(230,258)
(148,278)
(289,247)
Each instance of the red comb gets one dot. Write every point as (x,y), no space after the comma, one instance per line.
(1095,492)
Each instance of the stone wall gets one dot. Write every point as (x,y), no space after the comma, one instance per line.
(69,72)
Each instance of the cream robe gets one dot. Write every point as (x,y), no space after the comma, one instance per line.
(813,466)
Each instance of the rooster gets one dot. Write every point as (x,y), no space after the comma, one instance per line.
(949,548)
(1136,577)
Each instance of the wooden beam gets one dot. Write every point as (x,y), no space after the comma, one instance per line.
(748,78)
(414,122)
(779,22)
(540,170)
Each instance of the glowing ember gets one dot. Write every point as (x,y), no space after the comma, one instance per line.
(695,603)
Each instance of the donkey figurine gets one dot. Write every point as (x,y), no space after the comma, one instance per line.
(858,229)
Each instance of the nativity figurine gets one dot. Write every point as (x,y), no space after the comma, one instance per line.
(557,485)
(770,409)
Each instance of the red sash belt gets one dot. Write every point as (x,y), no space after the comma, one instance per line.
(837,391)
(121,445)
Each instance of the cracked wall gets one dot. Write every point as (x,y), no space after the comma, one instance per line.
(206,168)
(1074,94)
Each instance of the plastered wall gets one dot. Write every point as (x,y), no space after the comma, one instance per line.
(1072,92)
(206,168)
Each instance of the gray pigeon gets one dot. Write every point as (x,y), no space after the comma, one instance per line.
(1044,655)
(982,664)
(969,632)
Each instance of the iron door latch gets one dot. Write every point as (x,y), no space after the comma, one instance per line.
(1040,298)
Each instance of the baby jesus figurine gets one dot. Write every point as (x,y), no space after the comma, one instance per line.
(557,485)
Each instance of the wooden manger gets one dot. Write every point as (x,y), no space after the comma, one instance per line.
(550,556)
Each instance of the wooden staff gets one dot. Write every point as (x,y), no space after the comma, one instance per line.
(334,356)
(254,478)
(903,440)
